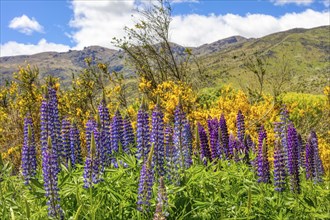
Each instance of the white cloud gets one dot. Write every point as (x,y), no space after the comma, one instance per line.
(97,22)
(13,48)
(297,2)
(25,25)
(194,30)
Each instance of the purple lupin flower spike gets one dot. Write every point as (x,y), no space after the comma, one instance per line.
(65,136)
(29,160)
(293,159)
(224,137)
(279,167)
(55,124)
(232,147)
(116,132)
(50,171)
(169,150)
(213,126)
(181,149)
(142,133)
(160,212)
(263,163)
(318,169)
(187,143)
(205,153)
(157,139)
(75,145)
(92,164)
(145,184)
(309,159)
(128,134)
(104,127)
(240,129)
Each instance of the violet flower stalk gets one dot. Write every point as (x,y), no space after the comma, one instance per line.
(293,159)
(157,139)
(50,171)
(213,126)
(65,135)
(182,152)
(187,143)
(232,147)
(240,130)
(263,163)
(309,159)
(116,132)
(162,202)
(169,154)
(317,166)
(145,184)
(75,145)
(205,153)
(129,137)
(105,134)
(54,123)
(224,137)
(279,167)
(142,133)
(29,160)
(91,170)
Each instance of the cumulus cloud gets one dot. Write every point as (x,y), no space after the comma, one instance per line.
(96,23)
(194,29)
(13,48)
(297,2)
(25,25)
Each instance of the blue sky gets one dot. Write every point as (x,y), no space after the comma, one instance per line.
(29,27)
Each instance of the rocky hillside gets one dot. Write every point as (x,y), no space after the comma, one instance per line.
(308,51)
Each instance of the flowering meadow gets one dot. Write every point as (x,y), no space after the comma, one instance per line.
(224,158)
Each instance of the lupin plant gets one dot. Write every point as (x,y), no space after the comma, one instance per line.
(50,171)
(55,123)
(142,132)
(187,142)
(181,149)
(91,169)
(279,167)
(314,165)
(224,137)
(50,124)
(75,145)
(116,132)
(157,139)
(213,127)
(160,212)
(65,136)
(309,159)
(145,183)
(232,147)
(205,153)
(104,128)
(240,125)
(29,160)
(169,154)
(129,138)
(293,167)
(263,163)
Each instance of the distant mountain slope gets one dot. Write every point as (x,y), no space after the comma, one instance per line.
(307,49)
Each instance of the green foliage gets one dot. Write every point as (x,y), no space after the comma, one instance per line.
(224,190)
